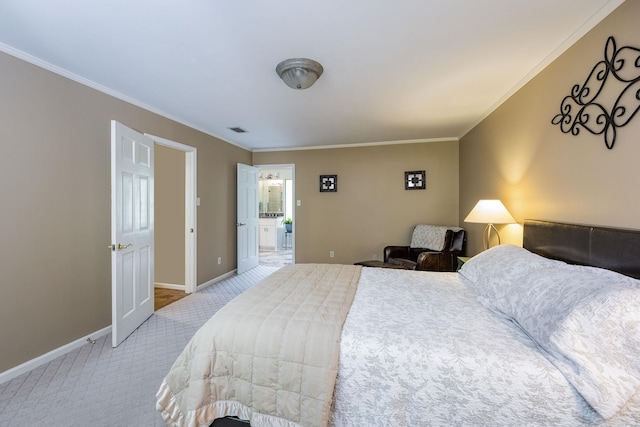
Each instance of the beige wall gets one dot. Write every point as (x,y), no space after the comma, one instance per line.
(518,156)
(54,223)
(55,215)
(169,215)
(371,208)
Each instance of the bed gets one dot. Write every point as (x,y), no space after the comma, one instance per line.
(545,335)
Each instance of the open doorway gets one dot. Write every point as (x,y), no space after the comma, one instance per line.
(169,220)
(175,221)
(276,215)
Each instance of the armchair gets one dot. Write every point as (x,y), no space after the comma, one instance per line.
(432,248)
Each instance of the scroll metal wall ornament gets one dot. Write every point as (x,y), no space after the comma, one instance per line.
(585,108)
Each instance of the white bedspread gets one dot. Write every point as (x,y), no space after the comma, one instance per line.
(417,349)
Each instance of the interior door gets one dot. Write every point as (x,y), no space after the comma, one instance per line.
(247,218)
(131,246)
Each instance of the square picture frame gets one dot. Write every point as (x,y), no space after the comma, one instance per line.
(328,183)
(415,180)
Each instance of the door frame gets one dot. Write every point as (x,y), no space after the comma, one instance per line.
(191,202)
(291,166)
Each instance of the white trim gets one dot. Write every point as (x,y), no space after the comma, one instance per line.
(89,83)
(216,280)
(10,50)
(190,209)
(48,357)
(176,287)
(67,348)
(191,212)
(363,144)
(171,144)
(595,19)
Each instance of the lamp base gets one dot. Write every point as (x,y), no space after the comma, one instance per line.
(486,236)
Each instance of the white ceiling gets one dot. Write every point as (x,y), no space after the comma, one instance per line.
(394,70)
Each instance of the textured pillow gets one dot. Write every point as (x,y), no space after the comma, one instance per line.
(493,270)
(586,320)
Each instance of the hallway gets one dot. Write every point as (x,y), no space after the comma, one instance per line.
(278,258)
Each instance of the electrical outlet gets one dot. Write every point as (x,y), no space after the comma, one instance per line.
(219,260)
(331,254)
(374,256)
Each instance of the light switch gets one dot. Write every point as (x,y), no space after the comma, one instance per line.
(298,203)
(197,201)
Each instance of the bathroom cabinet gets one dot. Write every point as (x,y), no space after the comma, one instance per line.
(269,233)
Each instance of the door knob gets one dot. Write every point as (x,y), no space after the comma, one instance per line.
(119,247)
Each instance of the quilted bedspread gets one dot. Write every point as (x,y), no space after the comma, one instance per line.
(269,356)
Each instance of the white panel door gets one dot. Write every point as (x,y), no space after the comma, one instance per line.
(131,230)
(247,218)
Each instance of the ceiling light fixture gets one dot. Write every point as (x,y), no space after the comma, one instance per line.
(299,73)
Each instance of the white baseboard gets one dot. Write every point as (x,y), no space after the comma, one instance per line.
(215,280)
(60,351)
(169,286)
(48,357)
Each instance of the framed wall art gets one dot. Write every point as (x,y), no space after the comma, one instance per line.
(328,183)
(415,180)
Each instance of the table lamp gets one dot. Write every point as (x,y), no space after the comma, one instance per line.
(489,212)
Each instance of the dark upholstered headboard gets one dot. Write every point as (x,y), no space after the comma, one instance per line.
(616,249)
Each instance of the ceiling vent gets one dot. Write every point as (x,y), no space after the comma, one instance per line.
(238,130)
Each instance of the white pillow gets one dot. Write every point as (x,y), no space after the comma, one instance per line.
(586,320)
(606,371)
(493,270)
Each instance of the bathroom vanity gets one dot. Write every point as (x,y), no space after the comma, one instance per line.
(269,232)
(271,207)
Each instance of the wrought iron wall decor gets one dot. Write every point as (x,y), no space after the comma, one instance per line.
(328,183)
(584,108)
(414,180)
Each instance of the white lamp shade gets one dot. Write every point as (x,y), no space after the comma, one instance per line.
(490,212)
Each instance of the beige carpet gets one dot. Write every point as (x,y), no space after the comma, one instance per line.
(100,386)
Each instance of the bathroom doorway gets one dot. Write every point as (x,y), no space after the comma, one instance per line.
(276,196)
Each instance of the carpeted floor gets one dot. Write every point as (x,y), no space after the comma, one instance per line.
(280,258)
(100,386)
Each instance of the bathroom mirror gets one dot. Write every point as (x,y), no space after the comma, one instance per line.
(271,200)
